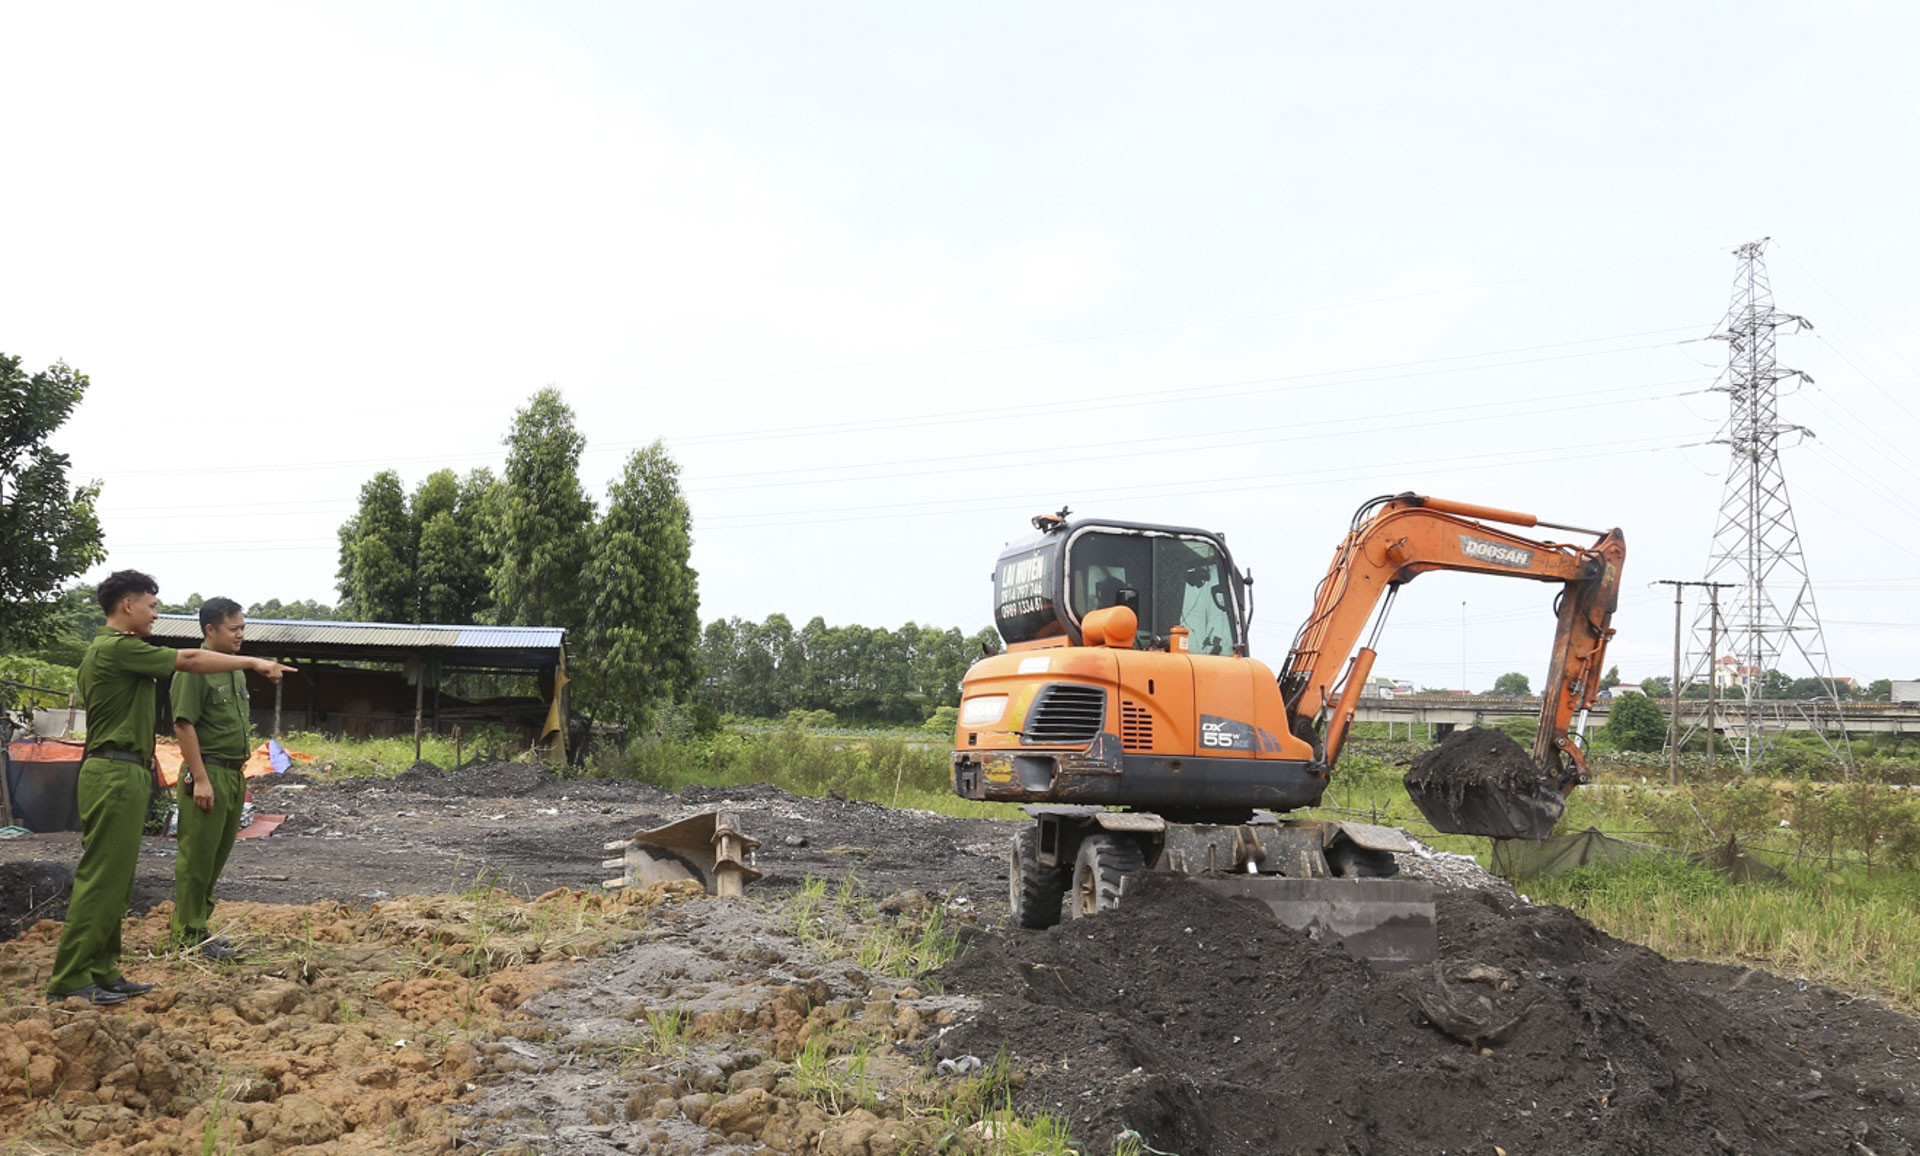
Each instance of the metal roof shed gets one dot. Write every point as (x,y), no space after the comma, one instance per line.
(470,649)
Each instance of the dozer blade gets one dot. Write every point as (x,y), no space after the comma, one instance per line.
(1388,923)
(1466,807)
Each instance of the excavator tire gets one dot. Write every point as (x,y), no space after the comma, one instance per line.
(1348,860)
(1034,892)
(1104,861)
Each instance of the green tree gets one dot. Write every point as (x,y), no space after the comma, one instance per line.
(75,619)
(49,531)
(451,560)
(377,554)
(1513,683)
(1635,723)
(539,528)
(641,640)
(301,610)
(1657,687)
(1880,690)
(1610,679)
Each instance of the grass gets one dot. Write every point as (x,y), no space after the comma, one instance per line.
(1852,932)
(895,768)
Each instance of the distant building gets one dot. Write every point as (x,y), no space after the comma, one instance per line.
(1729,674)
(1908,691)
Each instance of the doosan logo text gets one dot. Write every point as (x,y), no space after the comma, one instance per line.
(1496,552)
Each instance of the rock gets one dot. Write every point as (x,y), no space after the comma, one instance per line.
(694,1106)
(746,1111)
(259,1004)
(300,1120)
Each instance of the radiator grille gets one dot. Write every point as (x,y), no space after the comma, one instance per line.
(1065,712)
(1136,726)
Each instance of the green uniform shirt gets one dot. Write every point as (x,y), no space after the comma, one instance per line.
(118,677)
(216,705)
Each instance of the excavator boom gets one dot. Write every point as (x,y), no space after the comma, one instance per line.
(1392,541)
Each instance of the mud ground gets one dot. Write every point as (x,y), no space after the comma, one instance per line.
(430,968)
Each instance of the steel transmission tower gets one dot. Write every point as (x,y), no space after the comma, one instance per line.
(1770,614)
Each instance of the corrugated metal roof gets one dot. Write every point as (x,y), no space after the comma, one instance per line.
(381,634)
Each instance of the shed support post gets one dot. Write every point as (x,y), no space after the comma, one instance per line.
(419,702)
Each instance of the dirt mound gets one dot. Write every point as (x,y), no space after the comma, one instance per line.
(1207,1027)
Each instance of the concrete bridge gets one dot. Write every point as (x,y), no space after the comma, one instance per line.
(1780,714)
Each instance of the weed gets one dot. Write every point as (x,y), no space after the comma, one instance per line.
(833,1077)
(667,1031)
(216,1115)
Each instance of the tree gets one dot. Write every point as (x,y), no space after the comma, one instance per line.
(1636,723)
(377,555)
(76,618)
(640,642)
(451,560)
(1880,690)
(1610,679)
(301,610)
(1657,687)
(1512,683)
(49,530)
(538,530)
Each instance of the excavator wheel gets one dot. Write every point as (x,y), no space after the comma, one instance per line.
(1104,861)
(1348,860)
(1034,892)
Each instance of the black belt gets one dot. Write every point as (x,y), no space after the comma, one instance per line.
(229,764)
(121,757)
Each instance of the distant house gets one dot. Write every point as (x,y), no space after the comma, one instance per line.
(1621,688)
(1729,674)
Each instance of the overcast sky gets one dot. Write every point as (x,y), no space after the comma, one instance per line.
(889,279)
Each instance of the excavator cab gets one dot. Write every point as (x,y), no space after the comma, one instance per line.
(1168,576)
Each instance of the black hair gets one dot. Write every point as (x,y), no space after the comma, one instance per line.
(216,610)
(123,584)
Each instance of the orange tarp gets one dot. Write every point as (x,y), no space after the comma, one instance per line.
(167,753)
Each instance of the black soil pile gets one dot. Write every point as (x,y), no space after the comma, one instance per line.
(1205,1026)
(1470,758)
(501,781)
(30,892)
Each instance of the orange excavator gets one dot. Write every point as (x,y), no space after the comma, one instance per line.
(1129,718)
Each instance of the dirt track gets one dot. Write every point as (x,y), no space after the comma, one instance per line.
(695,1026)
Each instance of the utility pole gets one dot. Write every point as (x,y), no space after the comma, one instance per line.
(1673,691)
(1756,542)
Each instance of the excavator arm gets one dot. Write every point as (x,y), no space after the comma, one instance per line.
(1395,539)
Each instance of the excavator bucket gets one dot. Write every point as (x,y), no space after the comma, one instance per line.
(709,849)
(1467,807)
(1479,782)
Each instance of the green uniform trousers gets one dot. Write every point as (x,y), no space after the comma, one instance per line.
(206,839)
(113,808)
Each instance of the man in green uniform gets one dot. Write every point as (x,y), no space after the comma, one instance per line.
(210,719)
(117,683)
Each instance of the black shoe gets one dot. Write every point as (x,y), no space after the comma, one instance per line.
(92,993)
(217,949)
(127,987)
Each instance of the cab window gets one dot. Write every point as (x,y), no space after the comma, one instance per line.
(1179,582)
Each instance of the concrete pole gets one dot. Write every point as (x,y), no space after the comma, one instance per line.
(1673,696)
(1713,667)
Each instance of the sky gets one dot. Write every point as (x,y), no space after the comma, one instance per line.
(890,279)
